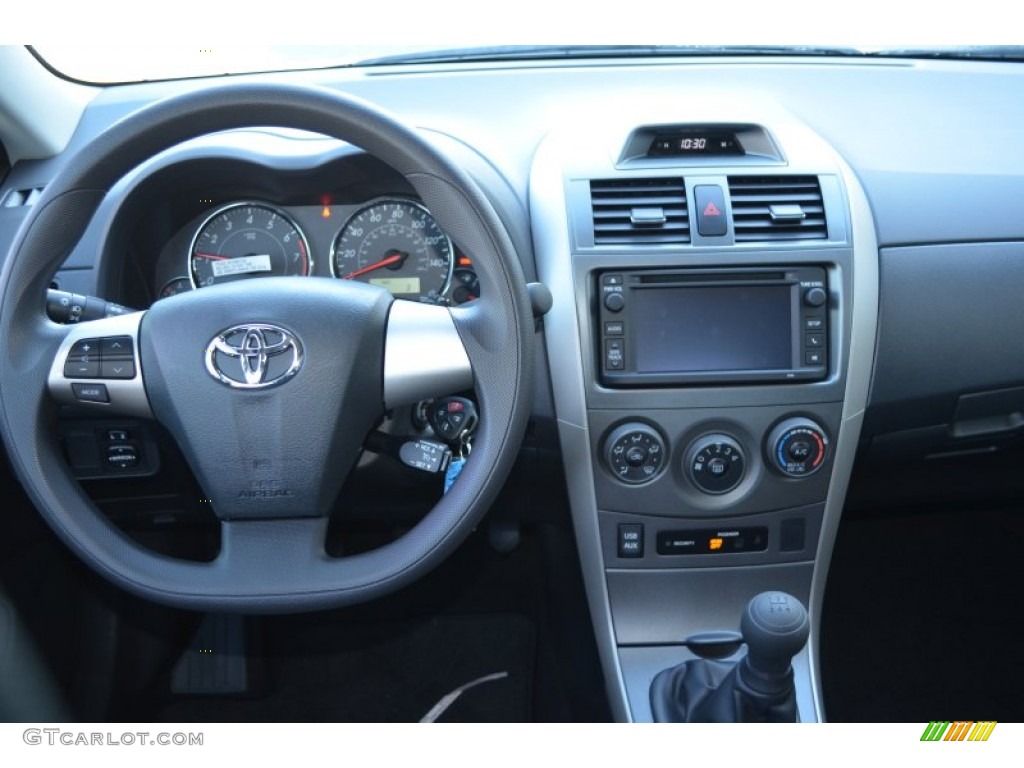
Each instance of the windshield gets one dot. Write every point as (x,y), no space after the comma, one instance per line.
(120,65)
(104,65)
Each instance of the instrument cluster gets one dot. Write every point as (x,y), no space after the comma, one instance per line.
(391,242)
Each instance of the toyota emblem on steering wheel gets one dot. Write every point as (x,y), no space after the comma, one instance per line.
(253,356)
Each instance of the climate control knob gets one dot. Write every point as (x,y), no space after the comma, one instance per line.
(635,453)
(797,447)
(715,463)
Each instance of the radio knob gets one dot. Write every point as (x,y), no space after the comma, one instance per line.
(634,453)
(614,302)
(797,447)
(815,297)
(715,463)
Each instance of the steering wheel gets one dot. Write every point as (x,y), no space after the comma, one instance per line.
(308,366)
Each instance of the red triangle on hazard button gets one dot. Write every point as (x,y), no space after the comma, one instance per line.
(711,210)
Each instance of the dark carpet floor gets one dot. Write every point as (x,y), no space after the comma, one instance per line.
(322,671)
(921,619)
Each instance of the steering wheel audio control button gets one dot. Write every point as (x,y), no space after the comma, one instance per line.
(117,369)
(86,367)
(112,357)
(116,348)
(91,393)
(104,353)
(84,348)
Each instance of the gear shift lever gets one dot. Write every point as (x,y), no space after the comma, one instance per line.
(758,688)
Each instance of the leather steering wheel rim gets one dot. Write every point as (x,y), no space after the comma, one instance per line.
(265,565)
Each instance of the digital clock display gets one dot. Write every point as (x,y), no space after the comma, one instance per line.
(695,143)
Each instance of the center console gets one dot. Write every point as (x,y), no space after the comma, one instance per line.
(715,287)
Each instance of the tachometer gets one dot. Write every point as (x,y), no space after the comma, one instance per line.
(397,245)
(247,240)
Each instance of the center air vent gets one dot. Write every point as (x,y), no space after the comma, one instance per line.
(773,208)
(639,211)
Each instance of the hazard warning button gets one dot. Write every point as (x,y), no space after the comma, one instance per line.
(710,205)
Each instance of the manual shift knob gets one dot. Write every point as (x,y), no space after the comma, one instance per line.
(758,688)
(775,628)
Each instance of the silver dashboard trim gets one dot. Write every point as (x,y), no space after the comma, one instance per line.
(551,232)
(860,365)
(423,354)
(557,164)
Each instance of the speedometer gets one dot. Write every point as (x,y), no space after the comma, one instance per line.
(247,240)
(397,245)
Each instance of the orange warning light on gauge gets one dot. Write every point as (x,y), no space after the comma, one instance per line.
(715,544)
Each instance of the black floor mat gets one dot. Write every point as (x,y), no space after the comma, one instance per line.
(322,671)
(920,619)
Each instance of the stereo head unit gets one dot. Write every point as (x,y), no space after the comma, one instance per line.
(662,327)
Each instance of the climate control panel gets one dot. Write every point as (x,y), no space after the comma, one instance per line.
(797,447)
(715,463)
(635,453)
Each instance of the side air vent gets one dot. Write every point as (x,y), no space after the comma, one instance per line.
(17,198)
(639,211)
(773,208)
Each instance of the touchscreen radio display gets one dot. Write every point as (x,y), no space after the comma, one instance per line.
(701,327)
(713,328)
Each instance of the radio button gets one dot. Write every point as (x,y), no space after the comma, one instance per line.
(614,354)
(614,302)
(815,297)
(614,328)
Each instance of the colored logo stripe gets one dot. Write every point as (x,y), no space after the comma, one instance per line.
(982,731)
(960,730)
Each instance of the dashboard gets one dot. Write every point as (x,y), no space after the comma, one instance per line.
(190,231)
(759,271)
